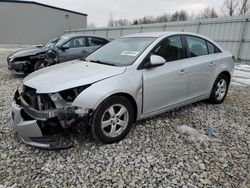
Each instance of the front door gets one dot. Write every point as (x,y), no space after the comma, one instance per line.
(74,49)
(166,85)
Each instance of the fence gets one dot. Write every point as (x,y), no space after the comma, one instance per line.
(232,33)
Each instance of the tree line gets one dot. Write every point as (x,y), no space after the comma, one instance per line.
(229,8)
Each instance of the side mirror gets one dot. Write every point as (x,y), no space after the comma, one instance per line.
(155,61)
(63,48)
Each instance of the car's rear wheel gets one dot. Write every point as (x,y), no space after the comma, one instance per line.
(220,89)
(112,120)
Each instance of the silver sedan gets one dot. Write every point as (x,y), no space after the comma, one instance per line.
(131,78)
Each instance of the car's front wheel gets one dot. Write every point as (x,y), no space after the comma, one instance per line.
(112,120)
(220,89)
(38,65)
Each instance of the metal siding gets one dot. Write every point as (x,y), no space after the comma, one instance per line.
(151,29)
(89,32)
(101,33)
(114,33)
(226,31)
(190,29)
(203,30)
(34,24)
(130,31)
(247,31)
(245,52)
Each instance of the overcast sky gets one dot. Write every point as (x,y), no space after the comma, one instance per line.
(99,10)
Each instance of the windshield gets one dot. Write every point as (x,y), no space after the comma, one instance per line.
(55,42)
(121,52)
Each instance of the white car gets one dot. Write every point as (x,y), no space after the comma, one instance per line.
(131,78)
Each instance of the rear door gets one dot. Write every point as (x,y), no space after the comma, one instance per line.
(73,49)
(200,65)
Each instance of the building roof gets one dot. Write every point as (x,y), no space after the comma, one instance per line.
(44,5)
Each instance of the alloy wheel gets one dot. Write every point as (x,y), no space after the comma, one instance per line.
(115,120)
(221,89)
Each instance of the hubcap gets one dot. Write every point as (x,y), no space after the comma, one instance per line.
(221,89)
(41,66)
(115,120)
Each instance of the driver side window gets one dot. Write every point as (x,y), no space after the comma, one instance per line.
(76,43)
(171,49)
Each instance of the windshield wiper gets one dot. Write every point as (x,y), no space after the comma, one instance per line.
(101,62)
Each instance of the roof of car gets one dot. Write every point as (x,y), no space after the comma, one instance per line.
(159,34)
(81,35)
(148,34)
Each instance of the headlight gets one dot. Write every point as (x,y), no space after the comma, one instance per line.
(20,88)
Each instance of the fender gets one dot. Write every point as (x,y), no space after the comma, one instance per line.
(129,83)
(225,64)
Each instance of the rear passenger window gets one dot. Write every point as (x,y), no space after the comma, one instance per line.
(93,41)
(212,49)
(197,46)
(170,49)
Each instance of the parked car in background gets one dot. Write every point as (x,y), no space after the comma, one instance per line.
(129,79)
(64,48)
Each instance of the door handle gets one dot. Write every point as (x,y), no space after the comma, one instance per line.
(84,51)
(182,72)
(211,63)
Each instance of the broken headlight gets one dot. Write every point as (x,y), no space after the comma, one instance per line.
(70,95)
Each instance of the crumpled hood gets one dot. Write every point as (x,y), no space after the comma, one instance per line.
(28,52)
(70,75)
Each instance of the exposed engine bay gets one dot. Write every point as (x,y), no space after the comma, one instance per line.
(53,114)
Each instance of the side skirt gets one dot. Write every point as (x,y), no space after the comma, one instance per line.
(200,98)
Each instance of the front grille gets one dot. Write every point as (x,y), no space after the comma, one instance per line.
(37,101)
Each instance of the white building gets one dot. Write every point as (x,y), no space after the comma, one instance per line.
(29,22)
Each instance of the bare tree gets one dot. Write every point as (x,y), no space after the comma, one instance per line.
(117,23)
(163,18)
(230,7)
(208,13)
(111,20)
(144,20)
(179,16)
(244,6)
(122,22)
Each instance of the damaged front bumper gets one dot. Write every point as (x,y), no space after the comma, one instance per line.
(18,67)
(26,129)
(28,124)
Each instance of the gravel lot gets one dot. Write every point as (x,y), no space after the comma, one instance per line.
(155,154)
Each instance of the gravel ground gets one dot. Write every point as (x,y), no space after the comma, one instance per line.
(154,154)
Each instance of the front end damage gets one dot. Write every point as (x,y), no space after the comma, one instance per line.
(23,65)
(44,120)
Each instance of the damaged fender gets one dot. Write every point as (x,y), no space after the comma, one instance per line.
(128,83)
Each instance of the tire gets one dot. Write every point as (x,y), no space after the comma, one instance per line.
(107,125)
(37,65)
(220,89)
